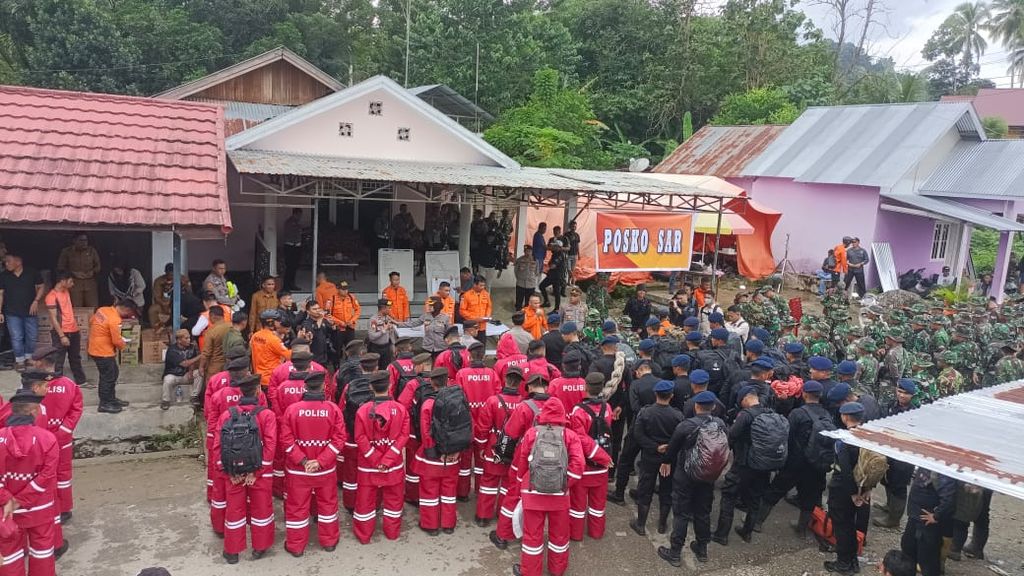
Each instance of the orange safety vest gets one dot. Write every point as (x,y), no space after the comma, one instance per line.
(399,302)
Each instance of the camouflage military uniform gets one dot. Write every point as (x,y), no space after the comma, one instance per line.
(922,371)
(968,358)
(949,382)
(592,332)
(1008,369)
(786,339)
(867,373)
(781,308)
(939,341)
(626,333)
(920,340)
(597,295)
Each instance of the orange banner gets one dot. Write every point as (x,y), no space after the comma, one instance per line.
(643,241)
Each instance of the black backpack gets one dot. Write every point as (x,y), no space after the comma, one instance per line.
(505,446)
(457,356)
(423,391)
(357,394)
(717,363)
(404,376)
(599,429)
(665,350)
(709,456)
(820,450)
(241,445)
(451,426)
(769,441)
(348,371)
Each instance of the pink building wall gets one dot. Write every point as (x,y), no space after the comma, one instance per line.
(816,217)
(911,240)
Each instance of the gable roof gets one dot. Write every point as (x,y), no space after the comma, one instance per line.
(989,169)
(83,159)
(722,151)
(1006,103)
(246,66)
(871,145)
(452,103)
(359,90)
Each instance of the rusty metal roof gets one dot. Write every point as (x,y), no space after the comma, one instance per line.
(722,151)
(975,437)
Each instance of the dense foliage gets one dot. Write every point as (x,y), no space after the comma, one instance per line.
(633,77)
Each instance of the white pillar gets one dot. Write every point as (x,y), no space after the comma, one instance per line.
(465,220)
(522,228)
(270,231)
(1002,263)
(570,212)
(162,252)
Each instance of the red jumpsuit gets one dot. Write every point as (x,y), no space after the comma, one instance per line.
(522,419)
(281,396)
(444,359)
(401,366)
(571,390)
(589,496)
(553,508)
(412,479)
(253,505)
(538,365)
(489,489)
(439,477)
(29,458)
(313,430)
(283,372)
(503,364)
(347,461)
(479,383)
(63,403)
(213,385)
(381,437)
(217,487)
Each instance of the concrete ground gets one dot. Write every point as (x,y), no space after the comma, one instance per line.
(136,512)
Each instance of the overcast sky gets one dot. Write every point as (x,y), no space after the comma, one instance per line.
(909,24)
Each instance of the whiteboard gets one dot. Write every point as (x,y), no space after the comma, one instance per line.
(400,261)
(442,267)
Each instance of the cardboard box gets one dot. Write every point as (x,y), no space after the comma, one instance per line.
(153,352)
(128,357)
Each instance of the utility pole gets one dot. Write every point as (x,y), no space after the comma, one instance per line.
(408,21)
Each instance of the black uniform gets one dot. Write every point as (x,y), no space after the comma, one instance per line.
(841,509)
(606,365)
(897,480)
(689,411)
(691,499)
(872,410)
(638,311)
(554,346)
(682,391)
(653,427)
(923,543)
(808,479)
(827,385)
(641,394)
(801,369)
(741,482)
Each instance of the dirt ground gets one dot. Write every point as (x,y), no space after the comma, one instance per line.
(133,513)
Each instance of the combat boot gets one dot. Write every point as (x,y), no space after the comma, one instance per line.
(639,525)
(895,512)
(663,512)
(671,555)
(762,515)
(616,497)
(801,524)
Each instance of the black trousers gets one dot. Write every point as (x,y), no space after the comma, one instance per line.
(292,260)
(809,484)
(557,284)
(844,525)
(385,351)
(691,500)
(626,462)
(856,274)
(924,545)
(109,372)
(341,339)
(73,353)
(523,297)
(745,485)
(618,428)
(647,478)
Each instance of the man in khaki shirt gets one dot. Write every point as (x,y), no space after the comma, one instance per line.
(83,262)
(213,358)
(265,299)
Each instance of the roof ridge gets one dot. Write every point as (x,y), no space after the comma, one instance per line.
(104,96)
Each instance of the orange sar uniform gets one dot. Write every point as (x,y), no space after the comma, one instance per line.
(399,302)
(842,267)
(536,322)
(447,305)
(476,305)
(326,294)
(105,333)
(268,352)
(346,310)
(200,341)
(664,327)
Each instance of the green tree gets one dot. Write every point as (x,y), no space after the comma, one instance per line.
(687,126)
(555,128)
(241,23)
(995,127)
(757,106)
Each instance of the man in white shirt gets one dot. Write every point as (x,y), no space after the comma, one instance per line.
(946,279)
(735,323)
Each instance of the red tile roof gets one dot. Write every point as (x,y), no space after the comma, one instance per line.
(1006,103)
(79,159)
(722,151)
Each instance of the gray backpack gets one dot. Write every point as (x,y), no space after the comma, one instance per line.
(549,461)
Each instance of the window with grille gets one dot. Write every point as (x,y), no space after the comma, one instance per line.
(345,129)
(940,240)
(403,134)
(376,108)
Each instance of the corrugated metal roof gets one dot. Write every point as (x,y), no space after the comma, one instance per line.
(957,211)
(871,145)
(974,437)
(246,66)
(722,151)
(96,159)
(251,111)
(341,98)
(277,163)
(450,102)
(990,169)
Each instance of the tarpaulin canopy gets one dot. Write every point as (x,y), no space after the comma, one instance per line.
(754,251)
(731,224)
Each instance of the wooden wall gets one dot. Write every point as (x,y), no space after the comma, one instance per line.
(277,83)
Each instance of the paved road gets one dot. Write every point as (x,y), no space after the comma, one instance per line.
(137,513)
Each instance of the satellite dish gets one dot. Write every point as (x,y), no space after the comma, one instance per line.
(639,164)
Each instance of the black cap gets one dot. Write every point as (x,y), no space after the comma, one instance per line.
(514,371)
(25,396)
(438,373)
(535,378)
(353,345)
(403,341)
(595,378)
(239,363)
(369,357)
(236,352)
(43,351)
(379,376)
(315,377)
(34,375)
(383,302)
(246,380)
(422,358)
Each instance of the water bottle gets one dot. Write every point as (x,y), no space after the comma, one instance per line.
(178,394)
